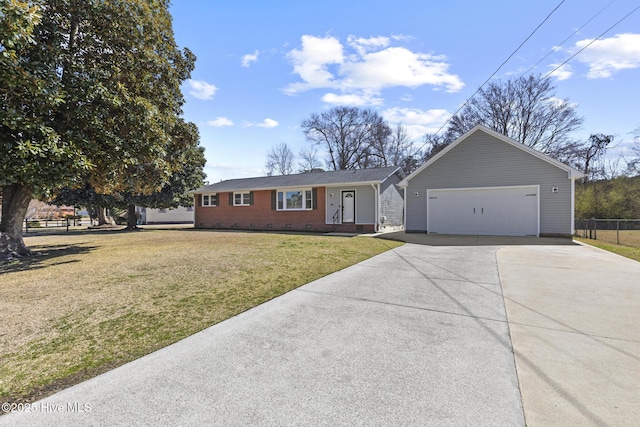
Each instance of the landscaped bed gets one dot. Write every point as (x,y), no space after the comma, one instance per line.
(89,301)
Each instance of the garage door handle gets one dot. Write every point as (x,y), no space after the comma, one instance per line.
(474,210)
(482,210)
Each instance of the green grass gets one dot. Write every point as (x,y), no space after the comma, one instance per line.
(622,237)
(87,302)
(632,252)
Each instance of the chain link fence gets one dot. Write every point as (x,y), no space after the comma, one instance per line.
(620,231)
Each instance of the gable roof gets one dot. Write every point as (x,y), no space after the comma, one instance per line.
(572,172)
(313,179)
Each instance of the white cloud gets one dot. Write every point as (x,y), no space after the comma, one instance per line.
(402,37)
(608,56)
(219,122)
(397,66)
(564,72)
(201,89)
(417,122)
(311,62)
(352,99)
(266,123)
(363,46)
(369,66)
(416,116)
(249,58)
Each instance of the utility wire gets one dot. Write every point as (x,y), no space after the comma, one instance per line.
(496,71)
(555,49)
(591,42)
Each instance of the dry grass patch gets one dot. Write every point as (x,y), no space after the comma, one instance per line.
(87,302)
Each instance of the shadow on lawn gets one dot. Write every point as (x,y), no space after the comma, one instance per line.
(42,254)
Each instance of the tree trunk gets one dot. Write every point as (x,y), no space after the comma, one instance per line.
(102,216)
(132,219)
(15,203)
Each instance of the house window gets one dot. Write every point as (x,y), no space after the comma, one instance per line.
(242,199)
(295,199)
(210,199)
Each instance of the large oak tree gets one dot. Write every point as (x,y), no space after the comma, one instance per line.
(90,93)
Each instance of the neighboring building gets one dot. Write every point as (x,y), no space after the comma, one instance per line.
(38,210)
(362,200)
(179,215)
(485,183)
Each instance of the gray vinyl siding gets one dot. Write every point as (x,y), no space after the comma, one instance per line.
(482,160)
(365,203)
(391,201)
(332,202)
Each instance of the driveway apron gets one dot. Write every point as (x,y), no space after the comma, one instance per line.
(415,336)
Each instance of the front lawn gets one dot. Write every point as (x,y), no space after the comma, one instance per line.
(89,301)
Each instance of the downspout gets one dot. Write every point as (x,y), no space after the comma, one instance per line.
(376,226)
(195,210)
(404,205)
(573,205)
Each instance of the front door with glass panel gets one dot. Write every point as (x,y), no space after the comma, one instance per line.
(348,206)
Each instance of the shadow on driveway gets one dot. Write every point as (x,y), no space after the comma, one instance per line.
(463,240)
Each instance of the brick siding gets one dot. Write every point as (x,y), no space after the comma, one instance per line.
(261,216)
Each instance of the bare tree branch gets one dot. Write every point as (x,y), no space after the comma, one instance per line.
(279,160)
(309,161)
(524,109)
(349,135)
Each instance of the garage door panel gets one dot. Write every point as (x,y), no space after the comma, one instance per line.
(487,211)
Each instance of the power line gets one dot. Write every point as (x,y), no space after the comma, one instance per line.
(496,71)
(591,42)
(555,49)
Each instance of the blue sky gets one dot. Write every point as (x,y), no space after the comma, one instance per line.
(263,67)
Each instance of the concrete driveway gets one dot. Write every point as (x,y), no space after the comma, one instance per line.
(418,335)
(574,316)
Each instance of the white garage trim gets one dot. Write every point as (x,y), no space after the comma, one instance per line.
(509,210)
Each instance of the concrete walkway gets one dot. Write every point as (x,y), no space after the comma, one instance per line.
(416,336)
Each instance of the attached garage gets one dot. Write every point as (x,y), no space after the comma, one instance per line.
(485,183)
(497,211)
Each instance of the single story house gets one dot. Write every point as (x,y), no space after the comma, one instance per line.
(363,200)
(485,183)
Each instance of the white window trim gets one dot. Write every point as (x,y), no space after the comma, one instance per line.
(209,205)
(284,200)
(245,198)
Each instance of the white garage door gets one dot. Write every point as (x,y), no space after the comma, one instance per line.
(496,211)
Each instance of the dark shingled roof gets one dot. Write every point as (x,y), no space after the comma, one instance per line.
(313,179)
